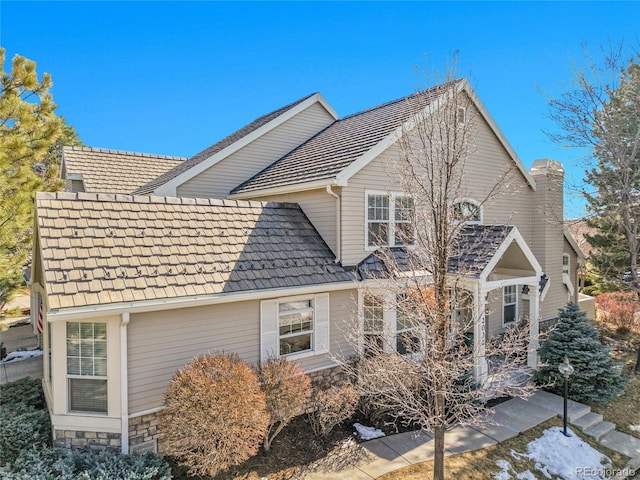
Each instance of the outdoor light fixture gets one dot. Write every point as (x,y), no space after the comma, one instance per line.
(566,370)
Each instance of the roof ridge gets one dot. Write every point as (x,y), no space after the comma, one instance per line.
(398,100)
(149,199)
(121,152)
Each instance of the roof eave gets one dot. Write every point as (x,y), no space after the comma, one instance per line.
(293,188)
(170,188)
(73,313)
(572,241)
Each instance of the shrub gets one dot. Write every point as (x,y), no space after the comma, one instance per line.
(25,391)
(330,406)
(215,414)
(287,390)
(63,464)
(619,309)
(22,427)
(596,376)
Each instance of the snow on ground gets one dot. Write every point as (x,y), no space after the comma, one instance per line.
(556,455)
(368,433)
(634,428)
(22,355)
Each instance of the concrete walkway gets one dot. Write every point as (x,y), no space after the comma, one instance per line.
(383,455)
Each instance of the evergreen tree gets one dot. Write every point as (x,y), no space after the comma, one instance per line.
(596,376)
(30,138)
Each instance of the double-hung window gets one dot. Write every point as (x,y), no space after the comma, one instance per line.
(407,338)
(87,366)
(468,211)
(295,325)
(509,304)
(373,328)
(389,219)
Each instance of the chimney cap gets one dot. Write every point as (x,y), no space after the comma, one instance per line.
(545,166)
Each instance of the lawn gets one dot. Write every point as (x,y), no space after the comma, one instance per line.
(481,464)
(624,410)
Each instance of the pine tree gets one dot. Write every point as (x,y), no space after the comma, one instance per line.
(30,138)
(596,376)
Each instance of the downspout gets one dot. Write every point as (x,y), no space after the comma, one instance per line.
(124,384)
(338,225)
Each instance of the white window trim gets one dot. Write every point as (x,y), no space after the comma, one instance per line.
(472,202)
(270,327)
(104,378)
(515,317)
(391,222)
(566,268)
(312,332)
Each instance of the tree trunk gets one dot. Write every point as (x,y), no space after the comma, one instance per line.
(438,457)
(637,369)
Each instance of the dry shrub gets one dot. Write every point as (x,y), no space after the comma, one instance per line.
(215,414)
(330,406)
(619,309)
(287,390)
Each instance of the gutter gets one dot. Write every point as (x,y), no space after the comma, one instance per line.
(338,223)
(124,385)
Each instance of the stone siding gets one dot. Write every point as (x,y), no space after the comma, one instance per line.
(76,439)
(328,376)
(143,429)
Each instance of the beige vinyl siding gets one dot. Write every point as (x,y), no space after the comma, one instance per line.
(218,180)
(511,205)
(159,343)
(318,206)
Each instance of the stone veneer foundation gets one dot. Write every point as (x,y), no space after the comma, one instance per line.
(143,429)
(75,439)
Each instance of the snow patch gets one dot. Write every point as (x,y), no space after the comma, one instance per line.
(368,433)
(22,355)
(566,457)
(526,475)
(634,428)
(503,474)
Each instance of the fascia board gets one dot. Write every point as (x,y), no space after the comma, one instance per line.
(192,301)
(514,235)
(170,188)
(293,188)
(464,85)
(572,241)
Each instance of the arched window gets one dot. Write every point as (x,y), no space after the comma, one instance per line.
(468,211)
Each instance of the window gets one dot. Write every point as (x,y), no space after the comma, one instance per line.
(407,339)
(295,325)
(389,219)
(87,366)
(468,212)
(373,329)
(565,263)
(509,304)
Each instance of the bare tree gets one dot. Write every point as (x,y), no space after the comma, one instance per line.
(600,111)
(427,372)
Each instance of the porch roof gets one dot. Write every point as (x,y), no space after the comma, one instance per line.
(475,248)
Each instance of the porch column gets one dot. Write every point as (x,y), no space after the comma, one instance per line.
(534,330)
(480,369)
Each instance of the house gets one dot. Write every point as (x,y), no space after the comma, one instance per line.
(86,169)
(261,244)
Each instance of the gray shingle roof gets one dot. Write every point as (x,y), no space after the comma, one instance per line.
(340,144)
(474,249)
(98,249)
(215,148)
(115,171)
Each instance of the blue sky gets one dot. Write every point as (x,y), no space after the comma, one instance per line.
(175,77)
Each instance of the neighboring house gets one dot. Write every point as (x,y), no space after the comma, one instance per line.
(86,169)
(261,245)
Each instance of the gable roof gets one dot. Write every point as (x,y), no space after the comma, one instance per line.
(99,249)
(230,143)
(338,152)
(474,250)
(336,147)
(115,171)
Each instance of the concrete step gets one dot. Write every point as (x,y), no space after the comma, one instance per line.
(623,443)
(599,430)
(586,421)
